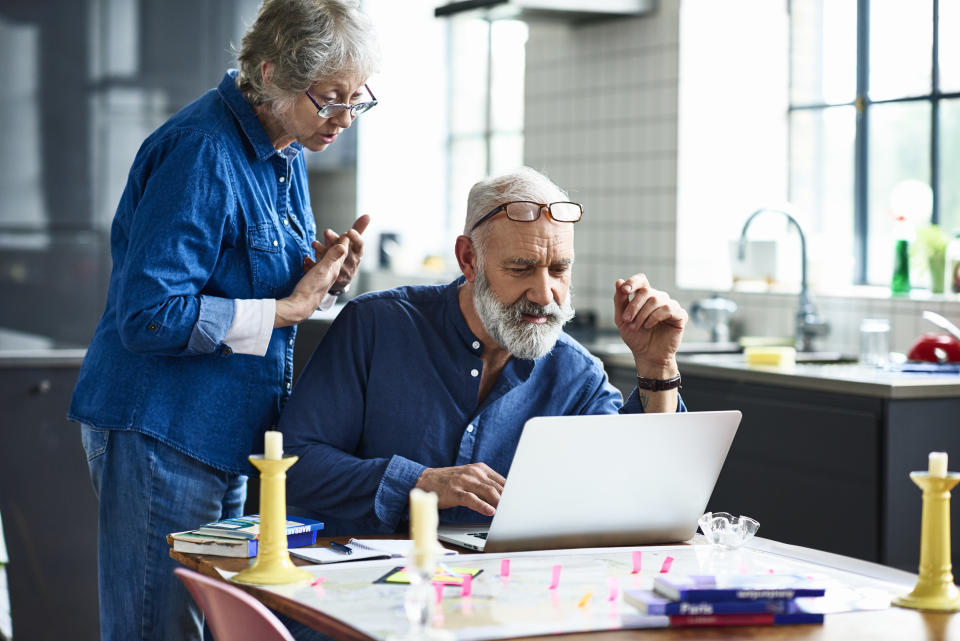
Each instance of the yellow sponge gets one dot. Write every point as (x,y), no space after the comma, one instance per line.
(772,356)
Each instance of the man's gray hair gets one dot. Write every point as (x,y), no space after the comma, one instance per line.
(521,184)
(306,40)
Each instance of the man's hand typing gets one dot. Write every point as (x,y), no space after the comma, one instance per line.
(476,486)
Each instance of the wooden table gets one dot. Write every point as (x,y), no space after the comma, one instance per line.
(893,624)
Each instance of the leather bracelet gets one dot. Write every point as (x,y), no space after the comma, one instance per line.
(658,384)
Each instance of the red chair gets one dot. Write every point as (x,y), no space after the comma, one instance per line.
(232,614)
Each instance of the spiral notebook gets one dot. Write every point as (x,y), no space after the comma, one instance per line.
(361,550)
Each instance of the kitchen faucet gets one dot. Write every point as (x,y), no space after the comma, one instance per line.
(809,323)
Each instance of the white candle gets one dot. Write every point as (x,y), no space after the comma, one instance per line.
(937,465)
(423,520)
(273,445)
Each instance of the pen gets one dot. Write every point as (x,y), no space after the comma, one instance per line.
(341,547)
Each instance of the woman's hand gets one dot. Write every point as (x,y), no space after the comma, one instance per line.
(349,269)
(314,285)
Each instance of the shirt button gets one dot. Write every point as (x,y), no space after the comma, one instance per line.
(275,243)
(283,179)
(291,341)
(152,327)
(470,428)
(476,344)
(227,351)
(286,222)
(474,373)
(289,385)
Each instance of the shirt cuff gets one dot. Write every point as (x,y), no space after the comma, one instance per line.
(393,494)
(252,326)
(327,302)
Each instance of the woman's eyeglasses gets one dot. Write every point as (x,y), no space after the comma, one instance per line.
(331,110)
(525,211)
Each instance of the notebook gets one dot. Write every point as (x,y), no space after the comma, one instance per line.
(360,550)
(595,481)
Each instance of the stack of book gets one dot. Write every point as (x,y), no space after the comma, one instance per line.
(706,600)
(239,536)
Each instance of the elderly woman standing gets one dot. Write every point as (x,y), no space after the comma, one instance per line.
(213,244)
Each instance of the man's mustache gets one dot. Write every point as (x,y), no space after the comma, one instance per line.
(525,307)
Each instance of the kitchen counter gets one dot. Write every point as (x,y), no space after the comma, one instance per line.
(842,378)
(824,451)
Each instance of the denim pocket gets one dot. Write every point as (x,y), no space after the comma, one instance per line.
(267,258)
(94,441)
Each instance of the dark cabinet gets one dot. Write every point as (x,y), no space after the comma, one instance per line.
(48,506)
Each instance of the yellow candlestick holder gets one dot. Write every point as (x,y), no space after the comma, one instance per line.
(935,589)
(272,565)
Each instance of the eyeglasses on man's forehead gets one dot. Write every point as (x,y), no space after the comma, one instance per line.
(334,109)
(526,211)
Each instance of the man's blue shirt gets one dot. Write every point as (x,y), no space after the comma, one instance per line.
(392,389)
(211,213)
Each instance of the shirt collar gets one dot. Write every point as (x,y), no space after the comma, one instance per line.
(517,369)
(247,119)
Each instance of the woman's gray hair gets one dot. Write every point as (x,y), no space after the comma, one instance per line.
(521,184)
(306,40)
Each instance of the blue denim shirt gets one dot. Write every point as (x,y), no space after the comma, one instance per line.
(392,389)
(211,212)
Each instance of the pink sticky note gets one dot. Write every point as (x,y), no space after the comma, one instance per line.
(505,567)
(614,586)
(467,586)
(667,562)
(555,580)
(637,556)
(770,570)
(438,591)
(318,580)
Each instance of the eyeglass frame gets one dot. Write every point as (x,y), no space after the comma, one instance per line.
(363,106)
(540,208)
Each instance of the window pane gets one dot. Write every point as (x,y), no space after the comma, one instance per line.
(950,166)
(901,42)
(509,45)
(506,152)
(468,47)
(821,185)
(468,164)
(949,45)
(899,159)
(824,60)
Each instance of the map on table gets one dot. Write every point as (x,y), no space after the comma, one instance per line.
(587,596)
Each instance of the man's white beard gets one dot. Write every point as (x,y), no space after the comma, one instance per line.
(505,323)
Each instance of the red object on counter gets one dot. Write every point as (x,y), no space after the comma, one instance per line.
(935,348)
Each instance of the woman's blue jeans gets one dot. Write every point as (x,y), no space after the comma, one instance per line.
(146,490)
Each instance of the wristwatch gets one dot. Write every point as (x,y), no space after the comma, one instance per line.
(336,291)
(658,384)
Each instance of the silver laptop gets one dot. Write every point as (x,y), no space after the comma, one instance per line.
(594,481)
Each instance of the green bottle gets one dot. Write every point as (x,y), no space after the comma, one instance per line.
(900,283)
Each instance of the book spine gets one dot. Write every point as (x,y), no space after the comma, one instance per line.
(755,606)
(714,595)
(744,619)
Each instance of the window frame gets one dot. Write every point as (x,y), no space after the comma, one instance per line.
(863,105)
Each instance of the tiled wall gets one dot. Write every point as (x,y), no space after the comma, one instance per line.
(601,121)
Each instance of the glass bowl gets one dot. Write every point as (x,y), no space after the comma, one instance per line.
(727,531)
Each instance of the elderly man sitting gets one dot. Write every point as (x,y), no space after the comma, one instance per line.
(430,387)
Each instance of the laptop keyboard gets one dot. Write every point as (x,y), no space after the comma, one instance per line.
(479,535)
